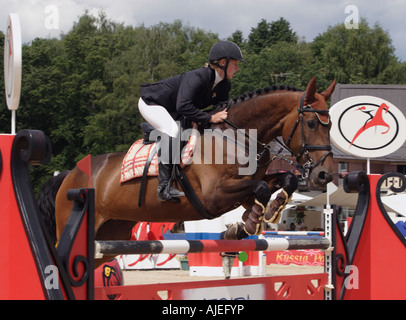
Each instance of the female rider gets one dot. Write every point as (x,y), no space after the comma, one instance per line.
(184,95)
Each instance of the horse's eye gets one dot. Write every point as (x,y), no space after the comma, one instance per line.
(312,124)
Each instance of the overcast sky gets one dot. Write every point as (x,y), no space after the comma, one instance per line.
(307,17)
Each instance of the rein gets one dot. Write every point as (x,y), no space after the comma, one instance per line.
(263,145)
(306,168)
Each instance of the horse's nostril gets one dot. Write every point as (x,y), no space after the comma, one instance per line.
(325,177)
(322,175)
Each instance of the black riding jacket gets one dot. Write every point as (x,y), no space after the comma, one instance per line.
(187,93)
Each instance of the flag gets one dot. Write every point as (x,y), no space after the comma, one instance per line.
(85,166)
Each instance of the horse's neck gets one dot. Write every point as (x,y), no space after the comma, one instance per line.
(264,113)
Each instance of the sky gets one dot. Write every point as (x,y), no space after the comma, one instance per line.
(308,18)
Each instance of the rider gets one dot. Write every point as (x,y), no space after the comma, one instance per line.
(185,95)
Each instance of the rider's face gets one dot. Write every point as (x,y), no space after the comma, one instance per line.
(232,67)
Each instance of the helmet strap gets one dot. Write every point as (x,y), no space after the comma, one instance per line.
(224,68)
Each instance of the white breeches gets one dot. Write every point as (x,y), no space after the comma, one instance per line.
(159,117)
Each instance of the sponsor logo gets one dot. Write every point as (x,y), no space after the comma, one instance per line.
(367,126)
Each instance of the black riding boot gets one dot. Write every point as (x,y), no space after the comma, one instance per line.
(166,191)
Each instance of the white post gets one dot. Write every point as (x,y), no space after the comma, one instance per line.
(13,122)
(261,266)
(368,166)
(328,196)
(328,257)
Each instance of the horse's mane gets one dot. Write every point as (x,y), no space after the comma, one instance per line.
(250,95)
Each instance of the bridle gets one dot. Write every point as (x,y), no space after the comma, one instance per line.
(309,165)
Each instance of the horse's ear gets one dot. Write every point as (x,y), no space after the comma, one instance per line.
(311,91)
(327,93)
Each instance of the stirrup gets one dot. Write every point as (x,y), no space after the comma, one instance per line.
(174,192)
(169,193)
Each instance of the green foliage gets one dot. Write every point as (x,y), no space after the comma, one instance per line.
(82,89)
(267,34)
(357,55)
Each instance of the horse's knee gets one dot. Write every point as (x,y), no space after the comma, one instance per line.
(262,192)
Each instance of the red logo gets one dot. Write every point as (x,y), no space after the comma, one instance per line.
(373,121)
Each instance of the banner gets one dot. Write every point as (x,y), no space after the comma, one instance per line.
(298,257)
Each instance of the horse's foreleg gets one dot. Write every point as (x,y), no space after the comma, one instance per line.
(253,223)
(260,211)
(288,182)
(253,216)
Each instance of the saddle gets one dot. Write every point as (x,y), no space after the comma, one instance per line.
(142,157)
(142,161)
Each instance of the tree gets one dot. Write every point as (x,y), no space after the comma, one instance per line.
(354,55)
(280,30)
(267,34)
(280,64)
(238,38)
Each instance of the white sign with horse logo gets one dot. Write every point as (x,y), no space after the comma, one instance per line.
(12,62)
(367,126)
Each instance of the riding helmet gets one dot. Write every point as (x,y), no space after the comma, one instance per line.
(225,49)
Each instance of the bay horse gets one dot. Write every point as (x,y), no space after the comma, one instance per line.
(300,118)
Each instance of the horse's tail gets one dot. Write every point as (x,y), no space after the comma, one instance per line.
(46,202)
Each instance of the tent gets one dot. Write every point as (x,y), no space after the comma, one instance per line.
(338,197)
(394,203)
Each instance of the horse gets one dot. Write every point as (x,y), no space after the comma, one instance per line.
(300,118)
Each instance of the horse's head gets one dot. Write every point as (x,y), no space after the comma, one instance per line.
(307,133)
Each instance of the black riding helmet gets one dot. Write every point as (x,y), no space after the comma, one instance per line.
(225,49)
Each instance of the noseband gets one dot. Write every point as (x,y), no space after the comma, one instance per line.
(309,165)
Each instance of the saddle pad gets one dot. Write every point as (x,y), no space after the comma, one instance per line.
(137,156)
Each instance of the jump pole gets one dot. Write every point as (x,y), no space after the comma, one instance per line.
(113,248)
(293,233)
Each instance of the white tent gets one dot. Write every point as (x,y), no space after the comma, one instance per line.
(349,200)
(396,203)
(338,197)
